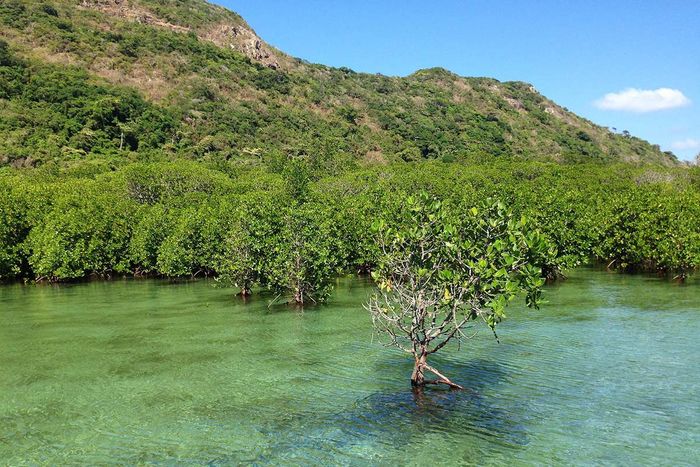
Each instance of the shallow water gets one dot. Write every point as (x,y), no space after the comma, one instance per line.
(151,372)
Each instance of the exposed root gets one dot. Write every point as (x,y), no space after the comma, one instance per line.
(442,379)
(418,380)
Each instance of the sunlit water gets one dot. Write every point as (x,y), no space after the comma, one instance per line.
(151,372)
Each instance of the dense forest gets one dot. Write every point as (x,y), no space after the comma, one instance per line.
(293,230)
(164,138)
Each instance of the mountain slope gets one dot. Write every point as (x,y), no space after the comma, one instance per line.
(131,79)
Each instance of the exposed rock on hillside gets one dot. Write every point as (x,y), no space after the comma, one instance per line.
(237,36)
(244,40)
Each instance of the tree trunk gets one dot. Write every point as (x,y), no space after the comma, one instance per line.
(418,375)
(299,294)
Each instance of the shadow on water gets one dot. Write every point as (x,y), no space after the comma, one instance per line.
(442,409)
(400,417)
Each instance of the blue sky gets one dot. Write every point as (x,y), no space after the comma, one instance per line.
(645,53)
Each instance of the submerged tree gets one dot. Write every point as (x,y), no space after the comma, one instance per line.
(251,242)
(239,266)
(442,267)
(305,259)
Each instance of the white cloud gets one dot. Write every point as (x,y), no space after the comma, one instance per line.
(688,143)
(643,100)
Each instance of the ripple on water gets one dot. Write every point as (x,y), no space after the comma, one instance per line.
(142,372)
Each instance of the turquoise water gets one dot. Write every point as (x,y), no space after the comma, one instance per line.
(152,372)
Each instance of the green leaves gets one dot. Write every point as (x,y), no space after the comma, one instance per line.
(443,262)
(86,232)
(183,218)
(306,262)
(651,228)
(446,275)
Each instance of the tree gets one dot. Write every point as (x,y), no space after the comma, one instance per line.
(86,232)
(14,227)
(442,266)
(194,245)
(153,225)
(247,248)
(239,265)
(305,258)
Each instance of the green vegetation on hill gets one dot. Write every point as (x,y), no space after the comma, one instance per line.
(54,113)
(138,80)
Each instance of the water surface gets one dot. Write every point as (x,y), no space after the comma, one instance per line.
(153,372)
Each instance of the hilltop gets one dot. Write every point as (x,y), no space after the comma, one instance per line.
(124,80)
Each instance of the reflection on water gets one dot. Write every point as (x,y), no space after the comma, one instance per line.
(147,371)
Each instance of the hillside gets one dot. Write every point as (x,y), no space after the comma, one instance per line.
(122,80)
